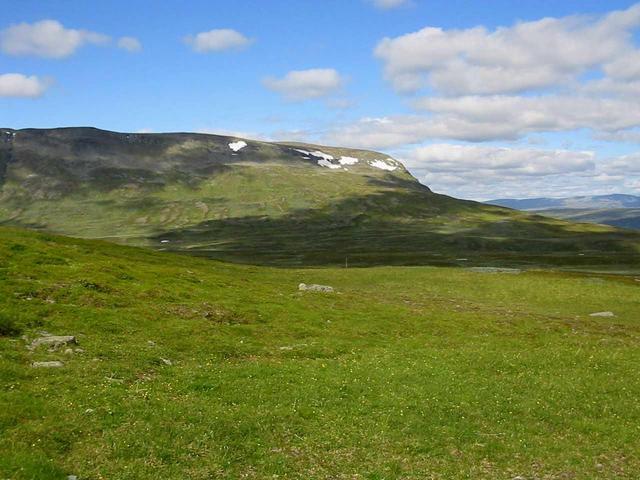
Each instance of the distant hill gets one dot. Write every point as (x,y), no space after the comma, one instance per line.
(616,210)
(597,202)
(616,217)
(271,203)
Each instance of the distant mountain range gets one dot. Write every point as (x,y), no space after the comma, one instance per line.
(272,203)
(616,210)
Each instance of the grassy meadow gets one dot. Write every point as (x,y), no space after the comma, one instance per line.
(192,368)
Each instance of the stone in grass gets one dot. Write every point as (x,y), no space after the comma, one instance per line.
(602,314)
(303,287)
(53,341)
(50,364)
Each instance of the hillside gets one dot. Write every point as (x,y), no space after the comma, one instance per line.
(615,217)
(272,203)
(622,211)
(594,202)
(190,368)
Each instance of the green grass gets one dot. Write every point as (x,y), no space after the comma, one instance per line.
(405,373)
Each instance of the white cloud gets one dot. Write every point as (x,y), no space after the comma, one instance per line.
(389,4)
(486,118)
(513,116)
(18,85)
(130,44)
(625,165)
(299,85)
(217,40)
(626,136)
(472,159)
(46,38)
(474,76)
(527,56)
(484,172)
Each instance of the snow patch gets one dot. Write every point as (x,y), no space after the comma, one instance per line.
(326,163)
(322,155)
(348,160)
(325,158)
(382,165)
(317,154)
(237,146)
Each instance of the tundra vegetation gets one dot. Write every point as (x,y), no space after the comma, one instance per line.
(181,367)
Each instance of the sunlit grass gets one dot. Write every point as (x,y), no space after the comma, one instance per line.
(404,373)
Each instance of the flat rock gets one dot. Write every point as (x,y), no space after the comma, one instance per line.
(602,314)
(54,341)
(512,271)
(303,287)
(51,364)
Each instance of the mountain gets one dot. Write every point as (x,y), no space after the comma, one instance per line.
(616,210)
(271,203)
(596,202)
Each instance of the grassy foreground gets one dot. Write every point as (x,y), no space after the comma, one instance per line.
(203,370)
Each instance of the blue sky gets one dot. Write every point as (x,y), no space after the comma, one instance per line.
(354,91)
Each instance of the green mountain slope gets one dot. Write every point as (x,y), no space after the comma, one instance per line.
(622,211)
(281,204)
(593,202)
(191,368)
(616,217)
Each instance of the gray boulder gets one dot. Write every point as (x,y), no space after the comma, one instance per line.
(51,364)
(303,287)
(53,341)
(512,271)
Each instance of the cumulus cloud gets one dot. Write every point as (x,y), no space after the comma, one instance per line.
(217,40)
(526,56)
(46,38)
(487,118)
(577,73)
(299,85)
(507,83)
(624,165)
(18,85)
(450,159)
(483,172)
(130,44)
(389,4)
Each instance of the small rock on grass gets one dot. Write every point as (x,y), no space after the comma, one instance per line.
(51,364)
(53,341)
(303,287)
(602,314)
(166,361)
